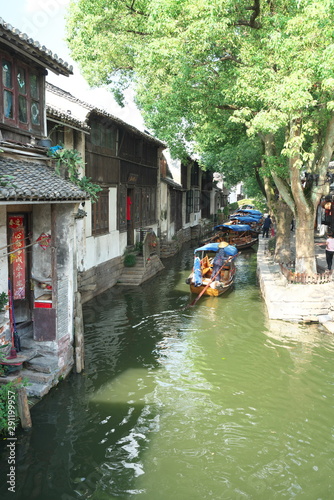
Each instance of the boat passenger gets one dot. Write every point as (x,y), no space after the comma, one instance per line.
(219,259)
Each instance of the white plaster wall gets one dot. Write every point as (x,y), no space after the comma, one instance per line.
(100,249)
(88,219)
(81,243)
(64,244)
(3,243)
(113,209)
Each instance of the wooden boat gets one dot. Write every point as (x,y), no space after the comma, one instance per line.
(254,222)
(202,271)
(240,235)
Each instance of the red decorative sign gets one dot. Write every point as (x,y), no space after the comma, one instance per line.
(18,257)
(44,240)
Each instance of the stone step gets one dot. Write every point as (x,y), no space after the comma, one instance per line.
(27,342)
(130,279)
(37,377)
(133,271)
(37,390)
(44,364)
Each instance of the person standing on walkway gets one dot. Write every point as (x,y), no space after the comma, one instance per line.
(266,227)
(329,251)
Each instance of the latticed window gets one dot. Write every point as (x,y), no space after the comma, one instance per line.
(196,200)
(100,214)
(103,136)
(189,204)
(20,103)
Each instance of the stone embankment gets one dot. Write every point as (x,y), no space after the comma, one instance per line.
(313,303)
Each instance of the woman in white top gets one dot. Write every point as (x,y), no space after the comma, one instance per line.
(329,250)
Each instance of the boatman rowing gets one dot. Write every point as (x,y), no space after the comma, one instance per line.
(219,259)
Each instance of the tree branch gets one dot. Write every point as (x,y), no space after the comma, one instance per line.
(252,23)
(135,11)
(259,180)
(228,107)
(325,158)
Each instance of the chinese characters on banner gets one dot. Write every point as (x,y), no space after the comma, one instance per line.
(18,259)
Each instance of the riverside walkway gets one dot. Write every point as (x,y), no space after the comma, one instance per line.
(295,302)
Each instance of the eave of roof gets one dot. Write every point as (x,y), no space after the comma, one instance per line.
(31,182)
(32,49)
(91,110)
(63,117)
(172,183)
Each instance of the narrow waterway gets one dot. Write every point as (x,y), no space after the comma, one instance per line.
(177,403)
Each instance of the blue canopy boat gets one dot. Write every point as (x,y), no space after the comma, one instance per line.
(250,211)
(254,221)
(240,235)
(202,280)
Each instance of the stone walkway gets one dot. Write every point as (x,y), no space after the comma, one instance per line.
(295,302)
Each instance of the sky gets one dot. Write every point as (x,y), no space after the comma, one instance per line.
(44,21)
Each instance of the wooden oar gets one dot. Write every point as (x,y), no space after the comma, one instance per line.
(211,280)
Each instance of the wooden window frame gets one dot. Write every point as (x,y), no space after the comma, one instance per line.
(100,214)
(27,95)
(197,196)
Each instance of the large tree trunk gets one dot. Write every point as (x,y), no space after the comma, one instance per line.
(305,255)
(278,207)
(283,232)
(304,209)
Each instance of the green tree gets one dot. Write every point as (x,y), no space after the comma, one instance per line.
(196,66)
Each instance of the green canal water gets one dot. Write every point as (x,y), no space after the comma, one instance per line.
(177,403)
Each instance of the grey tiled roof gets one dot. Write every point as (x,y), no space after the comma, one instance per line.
(35,182)
(171,182)
(52,112)
(91,109)
(39,53)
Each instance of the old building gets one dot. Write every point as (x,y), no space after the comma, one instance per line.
(37,219)
(124,162)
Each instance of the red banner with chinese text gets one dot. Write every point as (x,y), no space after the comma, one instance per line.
(18,258)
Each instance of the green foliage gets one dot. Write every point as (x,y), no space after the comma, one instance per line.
(250,91)
(6,181)
(71,162)
(233,206)
(3,301)
(130,260)
(4,403)
(139,247)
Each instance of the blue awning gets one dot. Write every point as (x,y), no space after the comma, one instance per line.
(234,227)
(250,211)
(249,220)
(214,247)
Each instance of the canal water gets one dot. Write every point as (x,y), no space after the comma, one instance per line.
(185,403)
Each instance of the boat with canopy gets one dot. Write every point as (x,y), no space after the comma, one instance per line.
(204,278)
(242,236)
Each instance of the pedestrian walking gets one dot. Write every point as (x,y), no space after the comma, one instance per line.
(266,226)
(329,251)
